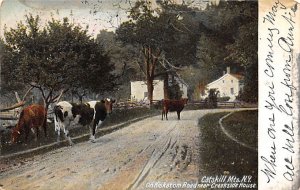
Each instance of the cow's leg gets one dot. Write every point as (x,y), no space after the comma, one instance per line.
(95,126)
(45,131)
(45,126)
(34,131)
(67,136)
(92,137)
(98,125)
(178,115)
(58,134)
(37,132)
(26,128)
(56,128)
(166,114)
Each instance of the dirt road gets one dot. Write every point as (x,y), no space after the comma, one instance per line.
(147,151)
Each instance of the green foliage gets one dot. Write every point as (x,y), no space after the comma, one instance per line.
(125,58)
(211,54)
(213,98)
(174,91)
(57,56)
(229,38)
(223,99)
(244,51)
(7,82)
(159,35)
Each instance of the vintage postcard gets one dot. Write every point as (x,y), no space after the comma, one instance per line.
(149,94)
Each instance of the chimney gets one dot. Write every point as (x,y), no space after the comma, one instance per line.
(228,70)
(224,72)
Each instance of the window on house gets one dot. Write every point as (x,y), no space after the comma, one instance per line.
(231,90)
(145,94)
(223,81)
(231,81)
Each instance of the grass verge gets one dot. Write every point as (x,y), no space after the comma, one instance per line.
(220,155)
(243,126)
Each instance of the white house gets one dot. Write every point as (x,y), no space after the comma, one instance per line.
(139,91)
(229,85)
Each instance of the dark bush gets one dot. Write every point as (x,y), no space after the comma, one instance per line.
(223,99)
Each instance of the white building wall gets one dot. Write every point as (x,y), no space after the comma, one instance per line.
(224,85)
(158,92)
(183,88)
(139,91)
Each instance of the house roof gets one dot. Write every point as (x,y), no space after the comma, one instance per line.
(177,78)
(237,76)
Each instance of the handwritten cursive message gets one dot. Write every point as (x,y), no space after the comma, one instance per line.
(277,159)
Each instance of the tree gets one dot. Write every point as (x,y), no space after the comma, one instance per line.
(211,53)
(174,91)
(7,82)
(56,57)
(213,98)
(230,39)
(156,33)
(244,51)
(125,58)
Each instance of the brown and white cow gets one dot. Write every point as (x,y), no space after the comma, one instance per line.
(101,110)
(31,117)
(67,114)
(172,105)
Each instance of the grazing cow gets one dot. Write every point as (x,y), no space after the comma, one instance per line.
(172,105)
(31,117)
(67,114)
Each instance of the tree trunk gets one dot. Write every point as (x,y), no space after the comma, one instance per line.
(72,97)
(166,86)
(150,60)
(80,98)
(150,89)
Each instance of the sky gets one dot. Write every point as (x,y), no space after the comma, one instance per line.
(98,14)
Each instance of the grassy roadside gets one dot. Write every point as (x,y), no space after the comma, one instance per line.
(220,155)
(241,123)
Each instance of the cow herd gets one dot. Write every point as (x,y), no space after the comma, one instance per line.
(67,115)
